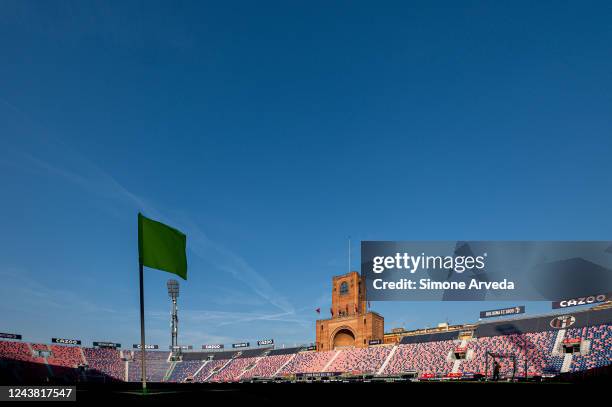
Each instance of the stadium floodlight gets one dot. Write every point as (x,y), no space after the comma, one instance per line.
(173,289)
(173,292)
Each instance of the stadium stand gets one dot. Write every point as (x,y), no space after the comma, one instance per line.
(157,365)
(600,352)
(208,369)
(424,358)
(68,356)
(18,361)
(538,346)
(268,366)
(40,347)
(18,351)
(185,370)
(105,362)
(308,362)
(64,362)
(233,371)
(360,360)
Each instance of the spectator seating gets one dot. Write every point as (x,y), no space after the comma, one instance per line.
(209,367)
(268,366)
(307,362)
(424,358)
(157,364)
(185,369)
(106,362)
(68,356)
(533,348)
(532,352)
(18,351)
(360,360)
(600,353)
(233,370)
(64,362)
(18,359)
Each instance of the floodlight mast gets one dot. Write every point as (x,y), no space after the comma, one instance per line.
(173,293)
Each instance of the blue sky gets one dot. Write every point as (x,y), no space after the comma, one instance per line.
(271,131)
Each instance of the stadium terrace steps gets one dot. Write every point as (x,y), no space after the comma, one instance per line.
(266,366)
(169,371)
(281,367)
(232,371)
(558,341)
(326,367)
(208,369)
(428,357)
(307,362)
(387,359)
(83,356)
(249,368)
(567,362)
(214,371)
(200,368)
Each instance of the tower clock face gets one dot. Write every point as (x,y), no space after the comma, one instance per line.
(344,288)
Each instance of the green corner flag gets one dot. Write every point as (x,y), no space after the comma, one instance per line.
(162,247)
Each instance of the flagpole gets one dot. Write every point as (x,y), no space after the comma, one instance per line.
(142,330)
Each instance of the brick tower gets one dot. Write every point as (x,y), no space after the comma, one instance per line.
(350,324)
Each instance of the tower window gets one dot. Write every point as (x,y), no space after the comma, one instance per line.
(344,288)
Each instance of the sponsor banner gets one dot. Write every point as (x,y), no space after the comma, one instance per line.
(181,347)
(503,312)
(241,345)
(265,342)
(213,346)
(485,270)
(137,346)
(318,374)
(375,341)
(65,341)
(5,335)
(589,299)
(112,345)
